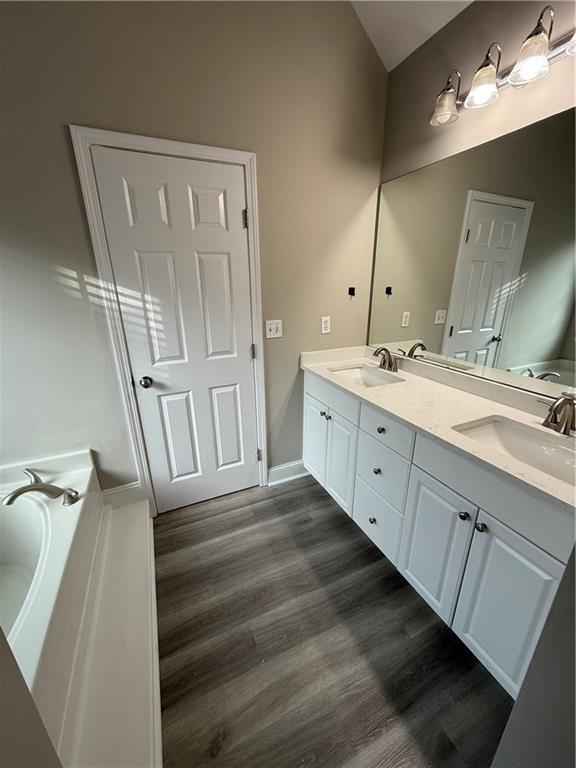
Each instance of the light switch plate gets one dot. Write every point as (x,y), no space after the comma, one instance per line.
(273,329)
(440,317)
(326,324)
(405,319)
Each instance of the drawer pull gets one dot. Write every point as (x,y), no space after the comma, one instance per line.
(463,515)
(381,430)
(481,527)
(372,520)
(377,471)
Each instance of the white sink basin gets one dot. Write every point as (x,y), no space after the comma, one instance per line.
(554,454)
(366,375)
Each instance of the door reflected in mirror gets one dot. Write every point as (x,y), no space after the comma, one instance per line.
(475,258)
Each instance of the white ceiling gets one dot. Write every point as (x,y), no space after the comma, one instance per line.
(397,28)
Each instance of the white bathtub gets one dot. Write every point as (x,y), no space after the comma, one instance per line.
(47,555)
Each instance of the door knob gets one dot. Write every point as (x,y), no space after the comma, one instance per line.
(377,471)
(146,382)
(381,430)
(323,413)
(372,520)
(496,338)
(463,515)
(481,527)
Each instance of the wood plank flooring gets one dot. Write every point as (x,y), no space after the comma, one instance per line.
(287,639)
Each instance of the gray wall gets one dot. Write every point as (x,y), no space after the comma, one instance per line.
(24,742)
(420,221)
(410,142)
(298,83)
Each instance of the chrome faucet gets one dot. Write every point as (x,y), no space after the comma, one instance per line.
(46,489)
(548,375)
(561,416)
(387,361)
(413,349)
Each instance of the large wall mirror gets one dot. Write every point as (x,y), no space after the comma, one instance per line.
(475,258)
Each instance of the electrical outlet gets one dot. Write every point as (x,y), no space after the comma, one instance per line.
(326,324)
(273,329)
(440,317)
(405,319)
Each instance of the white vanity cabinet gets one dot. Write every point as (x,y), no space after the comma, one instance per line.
(508,587)
(438,528)
(329,443)
(484,551)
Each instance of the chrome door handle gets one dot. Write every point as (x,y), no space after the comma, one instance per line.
(481,527)
(372,520)
(377,471)
(381,430)
(146,382)
(463,515)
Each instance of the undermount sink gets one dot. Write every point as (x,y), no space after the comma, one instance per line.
(366,375)
(554,454)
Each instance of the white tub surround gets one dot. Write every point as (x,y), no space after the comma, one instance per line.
(81,610)
(483,537)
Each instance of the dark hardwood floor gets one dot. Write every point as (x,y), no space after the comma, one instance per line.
(287,639)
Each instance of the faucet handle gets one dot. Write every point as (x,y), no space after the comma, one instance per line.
(34,477)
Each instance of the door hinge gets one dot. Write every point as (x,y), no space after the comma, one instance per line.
(253,351)
(467,235)
(259,454)
(245,218)
(451,331)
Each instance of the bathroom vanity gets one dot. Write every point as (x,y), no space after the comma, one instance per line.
(471,499)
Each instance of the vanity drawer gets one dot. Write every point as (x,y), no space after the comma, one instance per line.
(345,404)
(383,470)
(387,430)
(378,519)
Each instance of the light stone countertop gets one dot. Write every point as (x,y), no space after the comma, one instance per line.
(433,409)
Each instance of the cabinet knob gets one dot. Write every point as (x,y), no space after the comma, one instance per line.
(381,430)
(377,471)
(372,520)
(481,527)
(463,515)
(328,417)
(323,413)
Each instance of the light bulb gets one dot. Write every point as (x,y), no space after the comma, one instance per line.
(484,90)
(532,62)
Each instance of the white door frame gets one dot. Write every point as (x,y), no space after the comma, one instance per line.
(489,197)
(83,139)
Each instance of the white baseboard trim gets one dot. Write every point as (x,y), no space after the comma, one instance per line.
(283,473)
(122,495)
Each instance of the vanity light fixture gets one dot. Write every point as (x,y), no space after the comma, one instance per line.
(446,109)
(484,88)
(532,62)
(571,47)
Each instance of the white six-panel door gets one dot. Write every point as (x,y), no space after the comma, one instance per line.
(486,276)
(179,251)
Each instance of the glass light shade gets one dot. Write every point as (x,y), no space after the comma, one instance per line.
(532,63)
(484,89)
(571,47)
(445,111)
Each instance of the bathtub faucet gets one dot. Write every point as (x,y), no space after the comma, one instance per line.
(46,489)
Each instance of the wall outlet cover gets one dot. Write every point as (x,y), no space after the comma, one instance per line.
(440,317)
(273,329)
(326,324)
(405,319)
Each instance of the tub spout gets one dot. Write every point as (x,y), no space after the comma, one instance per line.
(70,496)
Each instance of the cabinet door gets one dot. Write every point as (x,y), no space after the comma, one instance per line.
(341,460)
(315,438)
(378,519)
(438,527)
(508,588)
